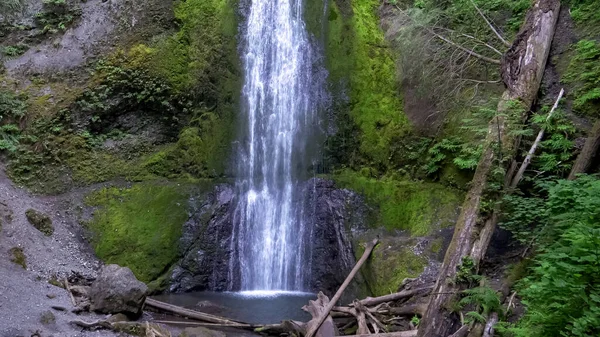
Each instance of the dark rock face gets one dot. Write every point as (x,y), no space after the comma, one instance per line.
(205,246)
(337,216)
(116,290)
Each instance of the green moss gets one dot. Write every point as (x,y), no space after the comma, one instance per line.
(418,207)
(139,227)
(18,257)
(391,262)
(361,64)
(40,221)
(436,245)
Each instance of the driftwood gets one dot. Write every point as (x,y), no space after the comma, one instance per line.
(209,325)
(68,288)
(411,333)
(407,310)
(324,315)
(371,301)
(318,309)
(152,303)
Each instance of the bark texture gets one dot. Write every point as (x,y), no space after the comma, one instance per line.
(522,69)
(587,154)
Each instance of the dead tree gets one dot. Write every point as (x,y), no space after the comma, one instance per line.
(522,69)
(588,152)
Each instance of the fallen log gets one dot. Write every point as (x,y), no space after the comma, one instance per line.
(408,310)
(209,325)
(522,69)
(152,303)
(318,309)
(410,333)
(371,301)
(312,329)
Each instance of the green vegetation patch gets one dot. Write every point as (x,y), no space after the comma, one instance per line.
(391,262)
(584,74)
(138,227)
(361,65)
(418,207)
(40,221)
(18,257)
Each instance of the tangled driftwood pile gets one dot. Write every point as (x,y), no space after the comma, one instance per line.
(386,316)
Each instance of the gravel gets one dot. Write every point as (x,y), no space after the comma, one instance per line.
(26,295)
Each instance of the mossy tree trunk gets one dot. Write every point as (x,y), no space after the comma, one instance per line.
(588,153)
(522,70)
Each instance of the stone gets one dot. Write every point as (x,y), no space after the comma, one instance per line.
(40,221)
(117,290)
(47,318)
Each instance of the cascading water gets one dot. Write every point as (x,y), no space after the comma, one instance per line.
(269,248)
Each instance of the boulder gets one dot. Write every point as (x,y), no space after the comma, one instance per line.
(40,221)
(117,290)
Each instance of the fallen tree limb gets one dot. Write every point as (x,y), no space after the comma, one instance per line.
(313,328)
(522,69)
(588,152)
(191,313)
(462,332)
(68,289)
(318,309)
(371,301)
(209,325)
(533,148)
(488,331)
(410,333)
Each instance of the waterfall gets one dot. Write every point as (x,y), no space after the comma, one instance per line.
(270,248)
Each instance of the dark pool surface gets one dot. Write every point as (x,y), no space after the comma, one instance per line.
(256,307)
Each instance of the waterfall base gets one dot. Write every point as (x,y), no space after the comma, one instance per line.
(268,308)
(206,251)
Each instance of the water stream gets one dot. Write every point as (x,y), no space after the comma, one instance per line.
(270,239)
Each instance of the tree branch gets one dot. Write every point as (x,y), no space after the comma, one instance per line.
(466,50)
(537,141)
(506,43)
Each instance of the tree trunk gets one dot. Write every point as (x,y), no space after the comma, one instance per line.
(522,69)
(589,151)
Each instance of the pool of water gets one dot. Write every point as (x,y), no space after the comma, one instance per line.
(255,307)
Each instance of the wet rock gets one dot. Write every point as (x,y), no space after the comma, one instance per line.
(338,216)
(205,246)
(117,290)
(40,221)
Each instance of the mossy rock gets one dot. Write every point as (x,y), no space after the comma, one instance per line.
(47,318)
(18,256)
(417,207)
(40,221)
(391,262)
(139,227)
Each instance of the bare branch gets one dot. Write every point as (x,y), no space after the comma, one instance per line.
(537,141)
(506,43)
(472,38)
(468,51)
